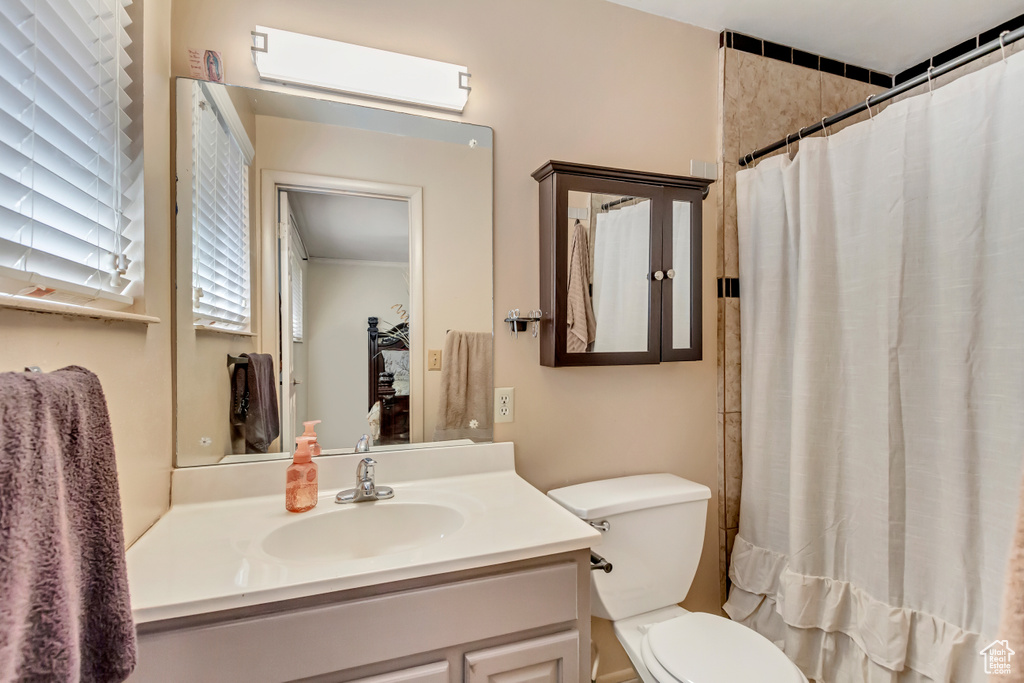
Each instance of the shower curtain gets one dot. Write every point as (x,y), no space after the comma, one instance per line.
(883,386)
(622,254)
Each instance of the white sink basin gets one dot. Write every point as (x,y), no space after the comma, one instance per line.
(363,530)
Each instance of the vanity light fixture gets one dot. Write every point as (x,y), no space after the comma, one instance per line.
(298,59)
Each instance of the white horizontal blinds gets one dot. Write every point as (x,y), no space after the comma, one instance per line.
(220,220)
(297,292)
(63,145)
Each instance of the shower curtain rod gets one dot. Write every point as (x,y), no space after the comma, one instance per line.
(1004,39)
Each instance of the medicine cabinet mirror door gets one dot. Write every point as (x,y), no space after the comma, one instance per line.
(608,247)
(681,276)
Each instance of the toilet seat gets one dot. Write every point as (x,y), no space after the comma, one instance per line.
(704,648)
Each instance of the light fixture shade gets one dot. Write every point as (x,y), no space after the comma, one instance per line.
(299,59)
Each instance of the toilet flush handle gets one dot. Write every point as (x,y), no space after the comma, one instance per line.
(598,562)
(603,525)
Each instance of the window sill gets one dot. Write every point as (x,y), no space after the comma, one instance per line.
(219,330)
(77,311)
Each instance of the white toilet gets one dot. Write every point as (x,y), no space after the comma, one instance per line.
(653,541)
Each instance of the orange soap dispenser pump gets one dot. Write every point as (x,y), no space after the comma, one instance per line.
(310,426)
(301,486)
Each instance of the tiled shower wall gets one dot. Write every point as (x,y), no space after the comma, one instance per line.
(762,100)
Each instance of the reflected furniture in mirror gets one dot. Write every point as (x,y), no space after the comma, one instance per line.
(298,219)
(388,379)
(620,265)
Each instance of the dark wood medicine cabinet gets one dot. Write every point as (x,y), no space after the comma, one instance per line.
(620,259)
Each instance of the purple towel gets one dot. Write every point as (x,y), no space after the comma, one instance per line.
(262,420)
(65,613)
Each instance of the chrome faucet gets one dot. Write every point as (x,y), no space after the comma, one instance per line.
(366,489)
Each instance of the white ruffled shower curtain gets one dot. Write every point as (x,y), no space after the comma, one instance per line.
(883,386)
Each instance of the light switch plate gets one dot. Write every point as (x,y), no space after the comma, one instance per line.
(434,359)
(704,169)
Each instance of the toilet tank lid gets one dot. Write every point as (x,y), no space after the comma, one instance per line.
(624,494)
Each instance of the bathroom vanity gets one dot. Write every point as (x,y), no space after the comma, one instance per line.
(467,574)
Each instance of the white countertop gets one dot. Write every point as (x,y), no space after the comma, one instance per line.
(208,556)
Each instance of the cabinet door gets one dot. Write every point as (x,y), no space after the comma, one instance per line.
(681,283)
(551,659)
(607,246)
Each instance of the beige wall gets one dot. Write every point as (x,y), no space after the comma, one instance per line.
(132,360)
(457,242)
(542,76)
(340,297)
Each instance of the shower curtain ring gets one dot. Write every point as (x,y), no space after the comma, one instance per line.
(787,144)
(1002,43)
(867,103)
(824,128)
(930,79)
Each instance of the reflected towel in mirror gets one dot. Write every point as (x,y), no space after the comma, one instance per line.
(579,314)
(465,407)
(260,419)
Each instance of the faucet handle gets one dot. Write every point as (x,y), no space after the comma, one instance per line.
(364,444)
(364,471)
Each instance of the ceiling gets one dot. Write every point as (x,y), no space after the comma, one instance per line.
(884,35)
(337,226)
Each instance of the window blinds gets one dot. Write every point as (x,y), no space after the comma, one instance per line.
(297,292)
(220,220)
(63,149)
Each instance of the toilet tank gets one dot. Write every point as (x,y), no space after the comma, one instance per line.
(654,539)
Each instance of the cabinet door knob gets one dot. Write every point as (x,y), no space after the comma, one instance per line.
(671,273)
(658,275)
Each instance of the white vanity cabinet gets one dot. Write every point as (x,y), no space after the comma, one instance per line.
(521,622)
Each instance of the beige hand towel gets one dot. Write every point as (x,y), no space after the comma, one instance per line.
(1012,627)
(465,409)
(579,314)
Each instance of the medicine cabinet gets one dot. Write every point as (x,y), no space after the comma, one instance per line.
(620,265)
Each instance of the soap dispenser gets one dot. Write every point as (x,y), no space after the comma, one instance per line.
(301,485)
(314,447)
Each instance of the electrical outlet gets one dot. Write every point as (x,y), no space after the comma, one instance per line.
(504,404)
(434,359)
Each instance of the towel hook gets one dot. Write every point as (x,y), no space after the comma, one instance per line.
(1002,43)
(867,103)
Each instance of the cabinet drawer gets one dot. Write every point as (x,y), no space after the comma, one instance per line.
(429,673)
(344,635)
(551,659)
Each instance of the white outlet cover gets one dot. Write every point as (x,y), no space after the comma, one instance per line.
(504,404)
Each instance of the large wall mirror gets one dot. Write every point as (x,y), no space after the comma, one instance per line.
(321,249)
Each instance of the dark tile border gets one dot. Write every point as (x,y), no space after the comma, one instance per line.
(791,55)
(728,288)
(957,50)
